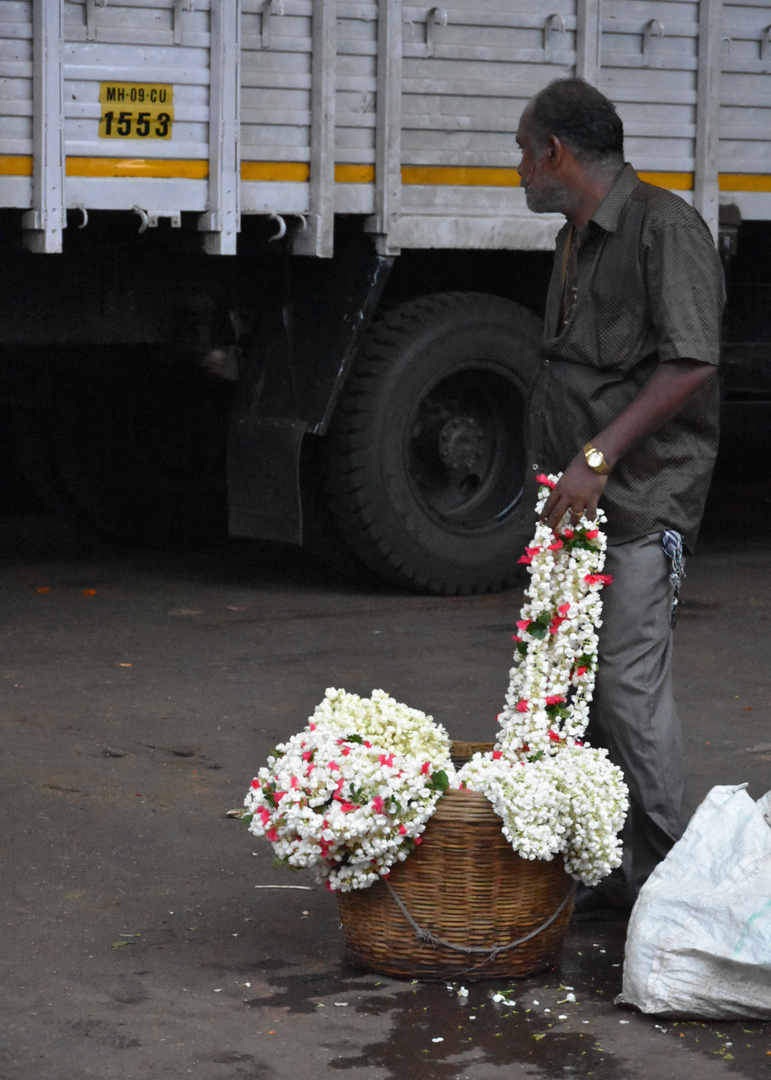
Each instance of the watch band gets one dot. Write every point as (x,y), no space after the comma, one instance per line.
(595,459)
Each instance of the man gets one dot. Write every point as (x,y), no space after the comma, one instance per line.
(625,405)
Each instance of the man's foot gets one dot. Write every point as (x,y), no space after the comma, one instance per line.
(590,906)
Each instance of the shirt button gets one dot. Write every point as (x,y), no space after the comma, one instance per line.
(535,467)
(545,361)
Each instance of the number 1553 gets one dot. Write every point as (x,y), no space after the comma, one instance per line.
(141,125)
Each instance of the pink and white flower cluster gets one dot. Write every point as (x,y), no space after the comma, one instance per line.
(351,794)
(554,794)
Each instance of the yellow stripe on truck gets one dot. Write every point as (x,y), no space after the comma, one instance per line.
(299,172)
(15,165)
(165,168)
(291,171)
(744,182)
(441,175)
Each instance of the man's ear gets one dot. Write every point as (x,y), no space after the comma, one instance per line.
(555,150)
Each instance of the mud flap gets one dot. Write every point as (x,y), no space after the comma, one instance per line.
(263,478)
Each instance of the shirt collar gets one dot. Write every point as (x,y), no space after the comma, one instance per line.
(608,213)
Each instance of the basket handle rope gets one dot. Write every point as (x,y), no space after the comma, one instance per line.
(428,938)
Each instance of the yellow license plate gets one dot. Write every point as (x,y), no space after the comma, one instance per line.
(136,110)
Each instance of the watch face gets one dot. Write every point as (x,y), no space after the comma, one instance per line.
(595,459)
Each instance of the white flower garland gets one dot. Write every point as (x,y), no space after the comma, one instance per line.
(554,794)
(350,794)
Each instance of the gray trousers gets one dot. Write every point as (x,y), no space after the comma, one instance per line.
(633,712)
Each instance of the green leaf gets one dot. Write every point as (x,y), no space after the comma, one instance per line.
(522,648)
(355,738)
(121,944)
(280,864)
(538,630)
(246,818)
(439,780)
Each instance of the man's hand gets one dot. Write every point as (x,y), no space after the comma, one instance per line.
(672,384)
(578,490)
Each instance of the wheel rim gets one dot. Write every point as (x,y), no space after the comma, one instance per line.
(463,448)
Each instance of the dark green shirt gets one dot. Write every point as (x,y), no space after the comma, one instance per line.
(648,288)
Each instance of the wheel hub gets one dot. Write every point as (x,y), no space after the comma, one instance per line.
(461,443)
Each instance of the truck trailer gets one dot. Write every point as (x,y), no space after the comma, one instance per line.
(268,262)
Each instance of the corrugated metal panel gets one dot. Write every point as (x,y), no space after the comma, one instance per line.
(469,71)
(16,79)
(355,111)
(276,81)
(745,115)
(649,59)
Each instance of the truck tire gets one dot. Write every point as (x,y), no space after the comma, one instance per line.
(425,455)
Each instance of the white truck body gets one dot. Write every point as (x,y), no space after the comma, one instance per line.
(403,113)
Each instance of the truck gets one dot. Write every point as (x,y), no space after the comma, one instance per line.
(267,263)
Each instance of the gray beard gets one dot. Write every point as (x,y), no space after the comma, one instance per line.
(548,200)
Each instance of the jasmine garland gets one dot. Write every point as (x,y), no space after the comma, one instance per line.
(554,794)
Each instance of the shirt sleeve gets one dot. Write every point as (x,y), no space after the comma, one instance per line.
(686,291)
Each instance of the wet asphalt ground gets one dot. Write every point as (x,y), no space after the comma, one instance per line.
(141,690)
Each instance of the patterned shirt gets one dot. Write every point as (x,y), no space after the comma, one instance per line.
(645,286)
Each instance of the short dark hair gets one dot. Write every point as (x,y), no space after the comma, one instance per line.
(580,116)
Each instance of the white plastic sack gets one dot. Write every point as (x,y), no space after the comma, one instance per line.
(699,939)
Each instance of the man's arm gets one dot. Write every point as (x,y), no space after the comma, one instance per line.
(663,396)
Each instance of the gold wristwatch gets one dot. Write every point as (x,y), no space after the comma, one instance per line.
(595,459)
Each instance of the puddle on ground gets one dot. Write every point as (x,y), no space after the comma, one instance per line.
(543,1031)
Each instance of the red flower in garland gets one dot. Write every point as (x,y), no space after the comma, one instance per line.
(497,755)
(522,624)
(555,699)
(556,545)
(542,478)
(522,706)
(598,579)
(592,534)
(554,736)
(377,804)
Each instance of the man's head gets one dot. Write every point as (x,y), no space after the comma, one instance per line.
(571,116)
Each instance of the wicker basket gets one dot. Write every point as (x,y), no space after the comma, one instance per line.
(465,886)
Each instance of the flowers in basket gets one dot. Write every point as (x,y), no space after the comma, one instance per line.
(350,795)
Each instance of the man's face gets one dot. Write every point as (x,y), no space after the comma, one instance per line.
(544,194)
